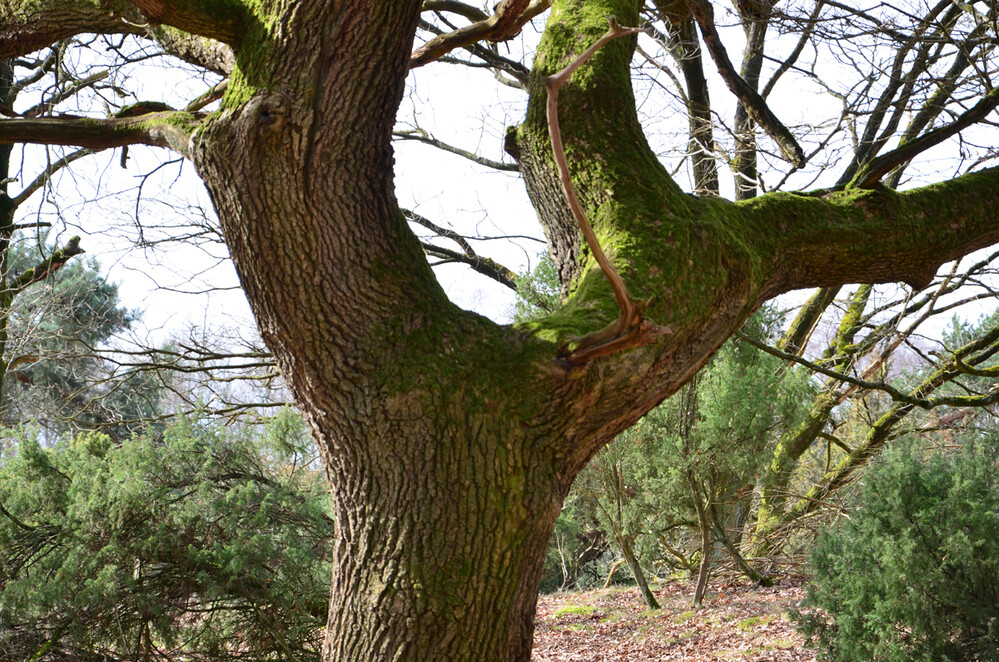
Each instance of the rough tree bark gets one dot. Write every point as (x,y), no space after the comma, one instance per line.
(449,440)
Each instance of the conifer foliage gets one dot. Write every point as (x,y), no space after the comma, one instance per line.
(206,542)
(913,574)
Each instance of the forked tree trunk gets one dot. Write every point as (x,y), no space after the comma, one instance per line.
(445,496)
(449,441)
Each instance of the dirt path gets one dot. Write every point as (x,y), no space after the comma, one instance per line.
(737,623)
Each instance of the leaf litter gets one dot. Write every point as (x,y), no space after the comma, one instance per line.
(738,622)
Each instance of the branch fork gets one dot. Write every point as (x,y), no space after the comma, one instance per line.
(630,329)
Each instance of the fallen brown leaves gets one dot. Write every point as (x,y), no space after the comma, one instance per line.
(737,622)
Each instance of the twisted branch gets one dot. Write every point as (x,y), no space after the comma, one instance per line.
(630,329)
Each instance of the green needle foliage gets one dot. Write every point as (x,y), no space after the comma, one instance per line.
(202,544)
(913,575)
(537,290)
(58,381)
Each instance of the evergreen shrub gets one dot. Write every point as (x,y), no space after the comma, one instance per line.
(913,574)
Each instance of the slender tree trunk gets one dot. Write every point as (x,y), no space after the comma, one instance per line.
(755,15)
(610,573)
(628,553)
(704,523)
(614,478)
(7,209)
(731,544)
(686,51)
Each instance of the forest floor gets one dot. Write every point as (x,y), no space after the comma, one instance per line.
(737,622)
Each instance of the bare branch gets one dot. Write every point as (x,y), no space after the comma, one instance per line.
(510,16)
(171,129)
(872,173)
(215,93)
(484,265)
(40,181)
(47,104)
(473,14)
(987,344)
(789,61)
(755,105)
(419,135)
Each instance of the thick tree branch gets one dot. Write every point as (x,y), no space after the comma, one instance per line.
(796,338)
(212,55)
(630,329)
(755,105)
(29,25)
(510,16)
(685,48)
(172,129)
(221,20)
(874,236)
(213,94)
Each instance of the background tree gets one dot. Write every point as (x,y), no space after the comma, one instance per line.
(56,330)
(882,378)
(683,478)
(450,441)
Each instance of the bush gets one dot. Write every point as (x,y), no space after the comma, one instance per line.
(204,543)
(914,573)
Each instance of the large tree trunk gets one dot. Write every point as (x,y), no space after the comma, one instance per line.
(445,497)
(444,558)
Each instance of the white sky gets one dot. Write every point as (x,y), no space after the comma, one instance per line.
(461,106)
